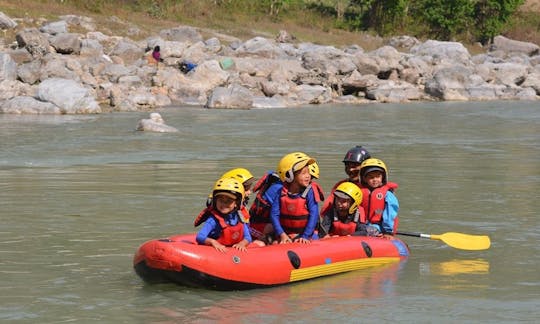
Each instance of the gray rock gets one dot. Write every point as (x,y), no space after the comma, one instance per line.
(437,50)
(29,72)
(8,67)
(233,97)
(90,48)
(13,88)
(506,45)
(127,51)
(260,47)
(69,95)
(66,43)
(35,42)
(54,28)
(29,105)
(6,22)
(450,83)
(155,124)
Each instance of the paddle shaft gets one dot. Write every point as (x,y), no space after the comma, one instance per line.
(414,234)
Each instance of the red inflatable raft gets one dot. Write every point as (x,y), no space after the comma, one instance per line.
(181,260)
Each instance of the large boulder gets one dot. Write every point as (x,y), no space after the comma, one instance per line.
(435,51)
(260,47)
(66,43)
(506,45)
(6,22)
(128,51)
(231,97)
(451,83)
(35,42)
(29,105)
(69,95)
(55,28)
(8,67)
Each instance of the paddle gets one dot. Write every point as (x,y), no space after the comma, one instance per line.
(457,240)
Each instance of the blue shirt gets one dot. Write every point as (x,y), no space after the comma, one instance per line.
(212,229)
(273,195)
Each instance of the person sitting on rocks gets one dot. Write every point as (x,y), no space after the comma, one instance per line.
(156,55)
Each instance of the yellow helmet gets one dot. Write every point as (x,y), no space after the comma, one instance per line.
(373,164)
(229,187)
(314,170)
(292,162)
(240,174)
(352,191)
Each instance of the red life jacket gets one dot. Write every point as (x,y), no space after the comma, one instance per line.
(344,228)
(330,200)
(317,191)
(294,213)
(260,209)
(374,201)
(230,234)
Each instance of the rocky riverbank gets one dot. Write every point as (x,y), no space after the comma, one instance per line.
(55,70)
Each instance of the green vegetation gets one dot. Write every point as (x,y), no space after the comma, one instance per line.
(321,21)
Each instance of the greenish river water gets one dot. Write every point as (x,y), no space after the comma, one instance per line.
(79,194)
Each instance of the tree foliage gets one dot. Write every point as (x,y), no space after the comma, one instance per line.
(491,16)
(478,20)
(446,19)
(441,19)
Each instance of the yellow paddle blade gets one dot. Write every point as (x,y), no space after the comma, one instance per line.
(464,241)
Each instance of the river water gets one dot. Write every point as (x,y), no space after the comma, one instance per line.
(79,194)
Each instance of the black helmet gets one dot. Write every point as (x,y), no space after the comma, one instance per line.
(357,154)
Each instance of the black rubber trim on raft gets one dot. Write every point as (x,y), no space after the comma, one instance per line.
(367,249)
(294,259)
(191,278)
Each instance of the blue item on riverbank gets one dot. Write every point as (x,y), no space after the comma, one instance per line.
(186,66)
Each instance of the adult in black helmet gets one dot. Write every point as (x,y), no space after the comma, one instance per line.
(352,161)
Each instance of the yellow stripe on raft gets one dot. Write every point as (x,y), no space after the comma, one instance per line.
(338,267)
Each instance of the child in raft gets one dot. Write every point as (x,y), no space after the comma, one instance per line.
(343,214)
(260,224)
(352,161)
(244,177)
(225,223)
(379,202)
(294,211)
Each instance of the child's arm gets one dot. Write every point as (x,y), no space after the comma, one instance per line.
(390,214)
(272,195)
(203,235)
(313,219)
